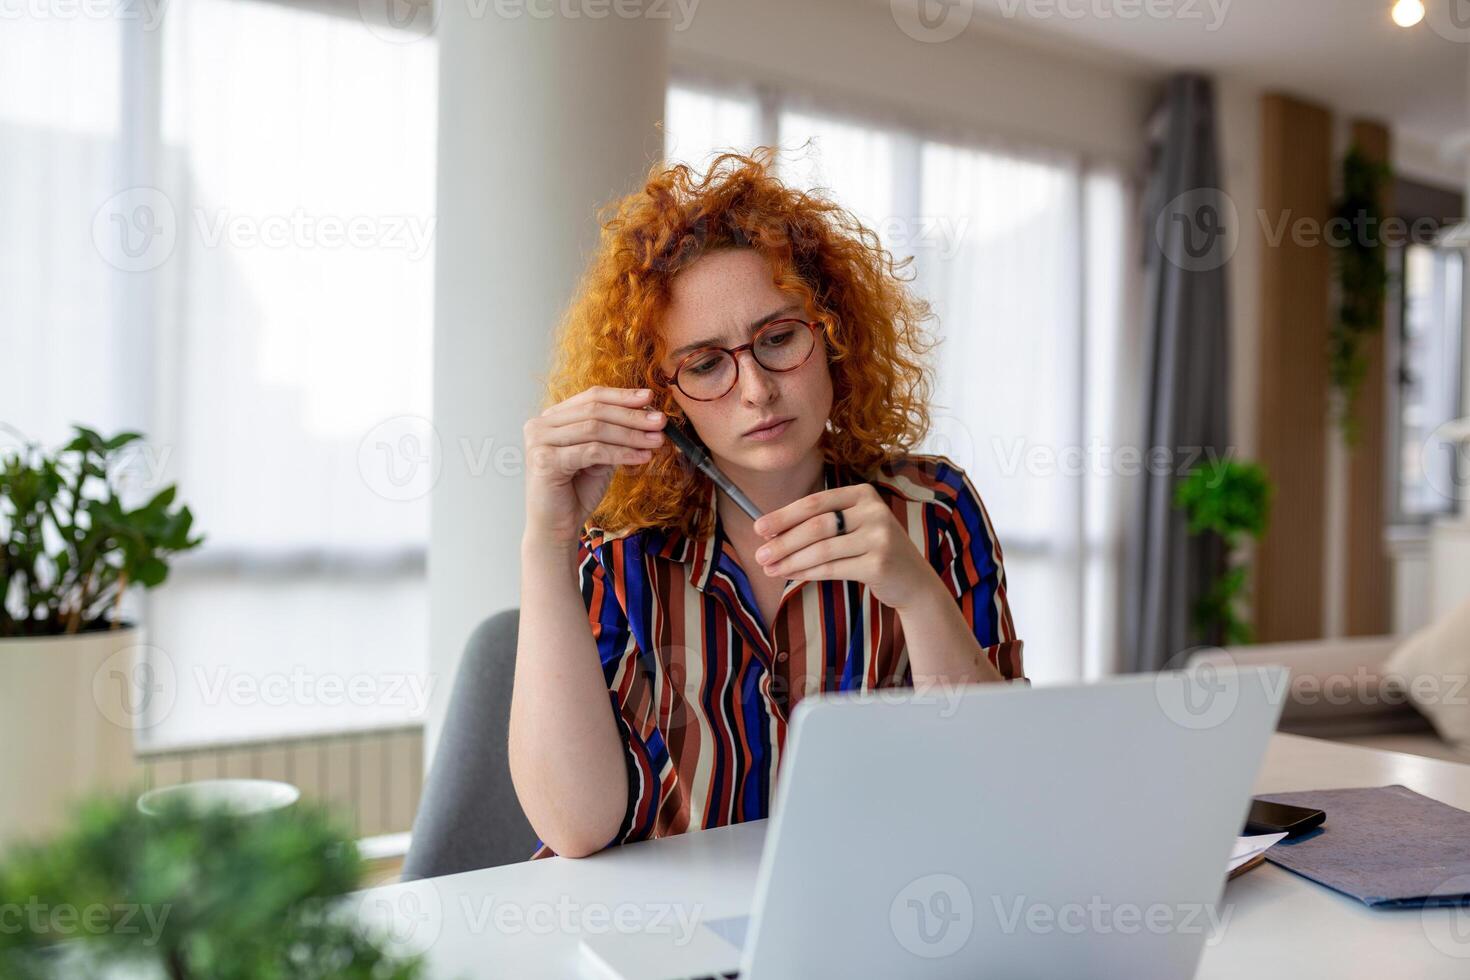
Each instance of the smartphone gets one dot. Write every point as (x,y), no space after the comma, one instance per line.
(1275,818)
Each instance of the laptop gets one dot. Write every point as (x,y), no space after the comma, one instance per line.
(991,830)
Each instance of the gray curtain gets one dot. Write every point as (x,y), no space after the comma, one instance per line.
(1189,229)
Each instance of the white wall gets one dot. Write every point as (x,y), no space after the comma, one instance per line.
(855,53)
(527,151)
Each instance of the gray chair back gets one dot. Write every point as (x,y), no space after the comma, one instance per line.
(469,816)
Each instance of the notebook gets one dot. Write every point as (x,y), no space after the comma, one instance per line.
(1386,846)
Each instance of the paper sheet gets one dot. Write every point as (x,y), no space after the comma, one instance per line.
(1248,847)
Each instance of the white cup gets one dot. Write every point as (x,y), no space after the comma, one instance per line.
(236,797)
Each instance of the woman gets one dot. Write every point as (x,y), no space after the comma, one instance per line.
(772,325)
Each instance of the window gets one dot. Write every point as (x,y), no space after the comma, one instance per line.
(1428,389)
(700,123)
(231,251)
(1021,254)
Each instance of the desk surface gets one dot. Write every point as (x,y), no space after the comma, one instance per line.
(524,920)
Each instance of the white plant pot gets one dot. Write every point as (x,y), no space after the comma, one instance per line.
(69,706)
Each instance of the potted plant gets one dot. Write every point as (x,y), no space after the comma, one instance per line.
(1361,266)
(183,891)
(1231,502)
(76,685)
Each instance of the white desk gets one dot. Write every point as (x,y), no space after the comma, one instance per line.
(523,920)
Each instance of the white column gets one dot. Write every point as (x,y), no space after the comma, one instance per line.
(541,119)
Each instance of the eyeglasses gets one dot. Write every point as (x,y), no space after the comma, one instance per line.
(781,345)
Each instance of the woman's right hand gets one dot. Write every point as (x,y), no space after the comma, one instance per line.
(571,449)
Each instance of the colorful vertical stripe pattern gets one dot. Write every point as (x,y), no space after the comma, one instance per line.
(702,690)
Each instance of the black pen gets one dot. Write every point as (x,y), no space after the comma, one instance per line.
(699,456)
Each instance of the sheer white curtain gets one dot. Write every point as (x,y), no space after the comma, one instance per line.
(1023,255)
(60,125)
(856,163)
(699,123)
(1009,396)
(219,231)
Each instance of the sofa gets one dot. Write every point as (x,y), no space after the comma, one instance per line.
(1337,693)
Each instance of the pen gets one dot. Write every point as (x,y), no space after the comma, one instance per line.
(699,456)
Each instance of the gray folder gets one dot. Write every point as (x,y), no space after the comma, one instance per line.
(1386,846)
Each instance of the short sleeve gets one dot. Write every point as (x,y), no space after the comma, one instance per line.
(976,576)
(630,691)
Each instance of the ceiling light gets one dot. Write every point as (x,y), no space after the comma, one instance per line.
(1407,13)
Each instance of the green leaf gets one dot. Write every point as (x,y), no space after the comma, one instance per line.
(65,530)
(264,897)
(151,572)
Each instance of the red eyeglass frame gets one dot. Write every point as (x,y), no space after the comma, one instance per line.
(812,325)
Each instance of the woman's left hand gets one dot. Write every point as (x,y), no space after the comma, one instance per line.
(802,543)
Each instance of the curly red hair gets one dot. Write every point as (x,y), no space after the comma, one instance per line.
(819,253)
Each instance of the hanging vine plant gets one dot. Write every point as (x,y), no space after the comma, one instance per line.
(1362,279)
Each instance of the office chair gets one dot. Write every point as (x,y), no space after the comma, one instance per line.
(469,816)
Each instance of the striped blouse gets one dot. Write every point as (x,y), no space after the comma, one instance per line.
(702,690)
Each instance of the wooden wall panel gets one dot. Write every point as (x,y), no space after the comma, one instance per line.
(1296,170)
(1369,599)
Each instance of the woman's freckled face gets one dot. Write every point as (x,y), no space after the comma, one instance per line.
(720,295)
